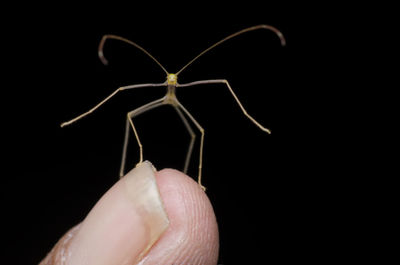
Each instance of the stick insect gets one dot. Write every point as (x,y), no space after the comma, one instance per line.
(170,98)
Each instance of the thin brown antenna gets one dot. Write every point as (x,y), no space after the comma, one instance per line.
(273,29)
(105,37)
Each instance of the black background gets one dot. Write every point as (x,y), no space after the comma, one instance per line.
(262,187)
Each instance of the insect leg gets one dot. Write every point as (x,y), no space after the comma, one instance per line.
(107,98)
(224,81)
(129,123)
(192,139)
(201,140)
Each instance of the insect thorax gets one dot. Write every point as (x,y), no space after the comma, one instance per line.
(170,97)
(172,81)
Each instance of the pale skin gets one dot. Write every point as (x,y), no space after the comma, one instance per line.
(170,98)
(111,234)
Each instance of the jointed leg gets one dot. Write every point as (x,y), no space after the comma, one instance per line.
(201,141)
(223,81)
(129,123)
(124,148)
(192,139)
(107,98)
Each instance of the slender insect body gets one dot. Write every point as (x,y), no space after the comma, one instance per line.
(170,98)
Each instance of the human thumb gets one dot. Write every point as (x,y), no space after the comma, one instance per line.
(144,219)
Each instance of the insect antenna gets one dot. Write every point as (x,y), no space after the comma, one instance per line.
(271,28)
(104,60)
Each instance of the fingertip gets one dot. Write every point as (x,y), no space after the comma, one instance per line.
(192,236)
(124,223)
(114,231)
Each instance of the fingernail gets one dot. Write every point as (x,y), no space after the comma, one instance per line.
(124,224)
(142,188)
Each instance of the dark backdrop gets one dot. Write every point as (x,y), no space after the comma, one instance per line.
(261,186)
